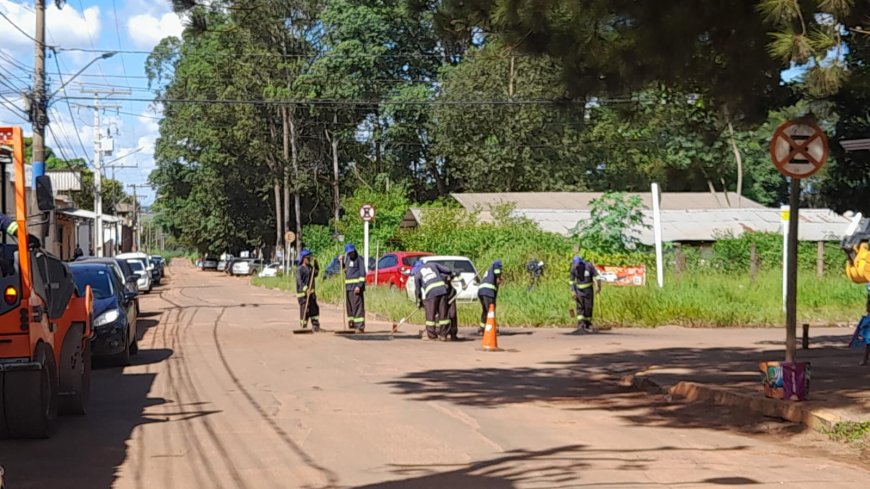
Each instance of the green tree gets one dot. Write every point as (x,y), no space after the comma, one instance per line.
(610,229)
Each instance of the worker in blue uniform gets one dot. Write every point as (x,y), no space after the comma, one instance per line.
(431,290)
(355,286)
(585,282)
(488,290)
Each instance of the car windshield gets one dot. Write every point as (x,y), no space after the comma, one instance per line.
(461,266)
(409,261)
(97,278)
(136,265)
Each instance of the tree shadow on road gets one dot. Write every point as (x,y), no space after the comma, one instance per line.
(588,382)
(564,466)
(86,451)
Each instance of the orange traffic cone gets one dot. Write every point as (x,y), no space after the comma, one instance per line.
(490,334)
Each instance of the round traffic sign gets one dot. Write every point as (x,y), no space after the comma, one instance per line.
(367,212)
(799,149)
(289,237)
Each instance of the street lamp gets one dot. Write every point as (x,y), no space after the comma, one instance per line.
(65,83)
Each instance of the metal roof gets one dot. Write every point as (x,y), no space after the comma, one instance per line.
(87,215)
(703,224)
(581,200)
(682,225)
(65,181)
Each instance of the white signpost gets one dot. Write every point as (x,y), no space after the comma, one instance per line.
(367,214)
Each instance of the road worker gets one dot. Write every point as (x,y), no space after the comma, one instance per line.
(585,283)
(355,286)
(431,288)
(488,291)
(305,278)
(10,227)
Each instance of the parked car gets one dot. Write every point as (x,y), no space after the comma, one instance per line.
(124,272)
(246,266)
(270,270)
(157,271)
(334,267)
(466,284)
(391,266)
(144,280)
(114,311)
(210,262)
(224,263)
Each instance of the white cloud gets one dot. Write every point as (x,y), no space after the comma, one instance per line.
(66,27)
(147,30)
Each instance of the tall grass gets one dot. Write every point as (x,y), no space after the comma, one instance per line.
(699,299)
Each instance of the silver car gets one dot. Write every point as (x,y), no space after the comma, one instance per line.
(246,266)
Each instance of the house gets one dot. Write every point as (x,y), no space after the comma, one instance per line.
(687,217)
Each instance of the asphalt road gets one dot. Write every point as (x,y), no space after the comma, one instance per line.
(223,395)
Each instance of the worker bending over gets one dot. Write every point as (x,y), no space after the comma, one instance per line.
(431,288)
(488,291)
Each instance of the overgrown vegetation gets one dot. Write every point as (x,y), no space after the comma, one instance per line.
(852,432)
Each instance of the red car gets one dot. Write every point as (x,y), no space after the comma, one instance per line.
(391,266)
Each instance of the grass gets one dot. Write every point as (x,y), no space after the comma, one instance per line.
(854,433)
(709,299)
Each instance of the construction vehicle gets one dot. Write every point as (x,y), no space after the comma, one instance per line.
(45,320)
(856,245)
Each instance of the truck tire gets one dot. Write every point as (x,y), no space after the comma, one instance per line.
(30,398)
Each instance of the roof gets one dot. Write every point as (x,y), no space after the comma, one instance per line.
(581,200)
(89,215)
(703,224)
(65,181)
(683,225)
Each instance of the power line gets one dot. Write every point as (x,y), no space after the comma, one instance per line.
(19,29)
(69,108)
(350,102)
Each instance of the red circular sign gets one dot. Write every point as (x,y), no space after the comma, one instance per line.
(799,149)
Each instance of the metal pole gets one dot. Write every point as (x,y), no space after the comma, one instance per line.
(366,246)
(657,231)
(784,212)
(98,181)
(791,290)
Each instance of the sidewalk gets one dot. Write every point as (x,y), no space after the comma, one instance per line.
(720,366)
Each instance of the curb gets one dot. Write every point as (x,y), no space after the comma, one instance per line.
(692,392)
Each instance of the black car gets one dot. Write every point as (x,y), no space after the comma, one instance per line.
(127,275)
(334,267)
(114,311)
(157,271)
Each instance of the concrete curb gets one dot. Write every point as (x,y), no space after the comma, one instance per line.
(796,412)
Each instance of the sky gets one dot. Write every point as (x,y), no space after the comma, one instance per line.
(93,25)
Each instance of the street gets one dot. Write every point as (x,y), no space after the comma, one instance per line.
(224,395)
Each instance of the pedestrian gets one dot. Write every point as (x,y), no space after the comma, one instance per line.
(78,252)
(431,290)
(585,283)
(488,291)
(452,313)
(864,331)
(305,291)
(355,286)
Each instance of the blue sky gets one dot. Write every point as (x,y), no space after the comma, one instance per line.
(100,25)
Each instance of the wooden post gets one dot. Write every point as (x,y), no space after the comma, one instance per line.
(820,259)
(805,344)
(753,262)
(679,261)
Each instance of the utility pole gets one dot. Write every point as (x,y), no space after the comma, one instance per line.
(39,117)
(137,222)
(99,150)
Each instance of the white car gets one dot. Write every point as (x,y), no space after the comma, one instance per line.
(246,266)
(270,270)
(144,280)
(466,284)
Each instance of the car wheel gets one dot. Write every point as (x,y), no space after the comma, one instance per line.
(124,358)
